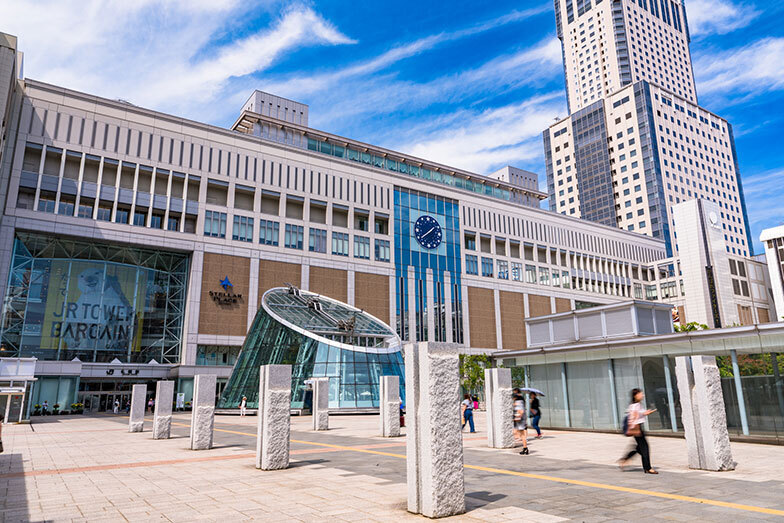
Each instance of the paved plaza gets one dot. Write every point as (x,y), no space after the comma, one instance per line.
(91,469)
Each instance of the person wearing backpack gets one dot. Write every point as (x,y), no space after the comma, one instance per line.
(632,426)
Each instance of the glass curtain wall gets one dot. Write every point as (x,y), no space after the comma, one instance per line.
(410,205)
(70,299)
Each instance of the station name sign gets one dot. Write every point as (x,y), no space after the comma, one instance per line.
(227,296)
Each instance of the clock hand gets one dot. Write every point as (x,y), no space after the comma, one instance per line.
(428,232)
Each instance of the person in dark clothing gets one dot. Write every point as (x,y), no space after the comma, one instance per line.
(536,414)
(635,418)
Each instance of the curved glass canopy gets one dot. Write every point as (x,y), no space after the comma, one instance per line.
(320,338)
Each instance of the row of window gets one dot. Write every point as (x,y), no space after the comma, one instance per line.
(104,214)
(294,236)
(518,272)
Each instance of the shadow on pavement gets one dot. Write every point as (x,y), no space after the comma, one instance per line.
(13,494)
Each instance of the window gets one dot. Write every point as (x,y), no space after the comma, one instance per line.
(214,224)
(269,232)
(382,250)
(567,280)
(173,224)
(294,236)
(487,267)
(243,229)
(544,275)
(470,242)
(362,247)
(530,274)
(381,225)
(317,240)
(156,221)
(121,216)
(517,271)
(140,218)
(66,208)
(340,243)
(46,204)
(503,270)
(472,265)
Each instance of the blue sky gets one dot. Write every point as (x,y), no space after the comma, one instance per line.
(468,86)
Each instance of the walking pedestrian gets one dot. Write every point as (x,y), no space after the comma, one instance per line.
(127,405)
(45,408)
(116,407)
(150,404)
(520,426)
(1,433)
(243,403)
(536,414)
(468,412)
(476,402)
(635,417)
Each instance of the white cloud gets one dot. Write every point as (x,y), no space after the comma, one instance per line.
(482,141)
(749,69)
(718,16)
(303,84)
(156,53)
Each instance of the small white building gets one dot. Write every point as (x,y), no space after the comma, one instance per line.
(17,377)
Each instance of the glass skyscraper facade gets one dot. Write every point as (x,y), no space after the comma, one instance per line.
(411,205)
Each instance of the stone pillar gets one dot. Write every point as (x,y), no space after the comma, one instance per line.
(703,416)
(138,397)
(498,398)
(320,403)
(390,406)
(274,423)
(202,417)
(434,442)
(164,395)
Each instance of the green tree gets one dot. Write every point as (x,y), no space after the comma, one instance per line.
(472,371)
(690,327)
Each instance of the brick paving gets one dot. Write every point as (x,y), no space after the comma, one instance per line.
(90,468)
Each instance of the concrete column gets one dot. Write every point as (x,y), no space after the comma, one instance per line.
(703,416)
(498,398)
(744,422)
(412,329)
(138,397)
(202,417)
(274,423)
(389,403)
(164,395)
(448,291)
(320,403)
(434,443)
(567,419)
(613,392)
(430,309)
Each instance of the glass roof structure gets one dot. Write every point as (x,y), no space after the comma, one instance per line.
(320,338)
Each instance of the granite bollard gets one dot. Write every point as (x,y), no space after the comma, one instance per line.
(202,417)
(320,403)
(389,395)
(164,395)
(136,419)
(434,442)
(274,423)
(498,398)
(703,416)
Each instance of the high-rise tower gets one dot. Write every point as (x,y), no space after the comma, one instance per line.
(636,142)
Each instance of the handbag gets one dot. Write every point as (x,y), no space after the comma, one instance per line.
(1,446)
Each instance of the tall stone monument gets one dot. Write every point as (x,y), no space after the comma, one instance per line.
(320,403)
(702,414)
(274,423)
(164,395)
(498,399)
(202,417)
(434,441)
(389,403)
(136,419)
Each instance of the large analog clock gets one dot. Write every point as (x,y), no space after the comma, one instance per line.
(427,232)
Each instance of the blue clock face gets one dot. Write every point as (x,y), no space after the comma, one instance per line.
(427,232)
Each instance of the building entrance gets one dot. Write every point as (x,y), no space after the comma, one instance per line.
(100,395)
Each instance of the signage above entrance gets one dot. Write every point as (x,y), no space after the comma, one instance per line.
(226,297)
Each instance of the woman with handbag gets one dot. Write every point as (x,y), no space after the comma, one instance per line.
(635,417)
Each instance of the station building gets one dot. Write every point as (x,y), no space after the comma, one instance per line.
(136,245)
